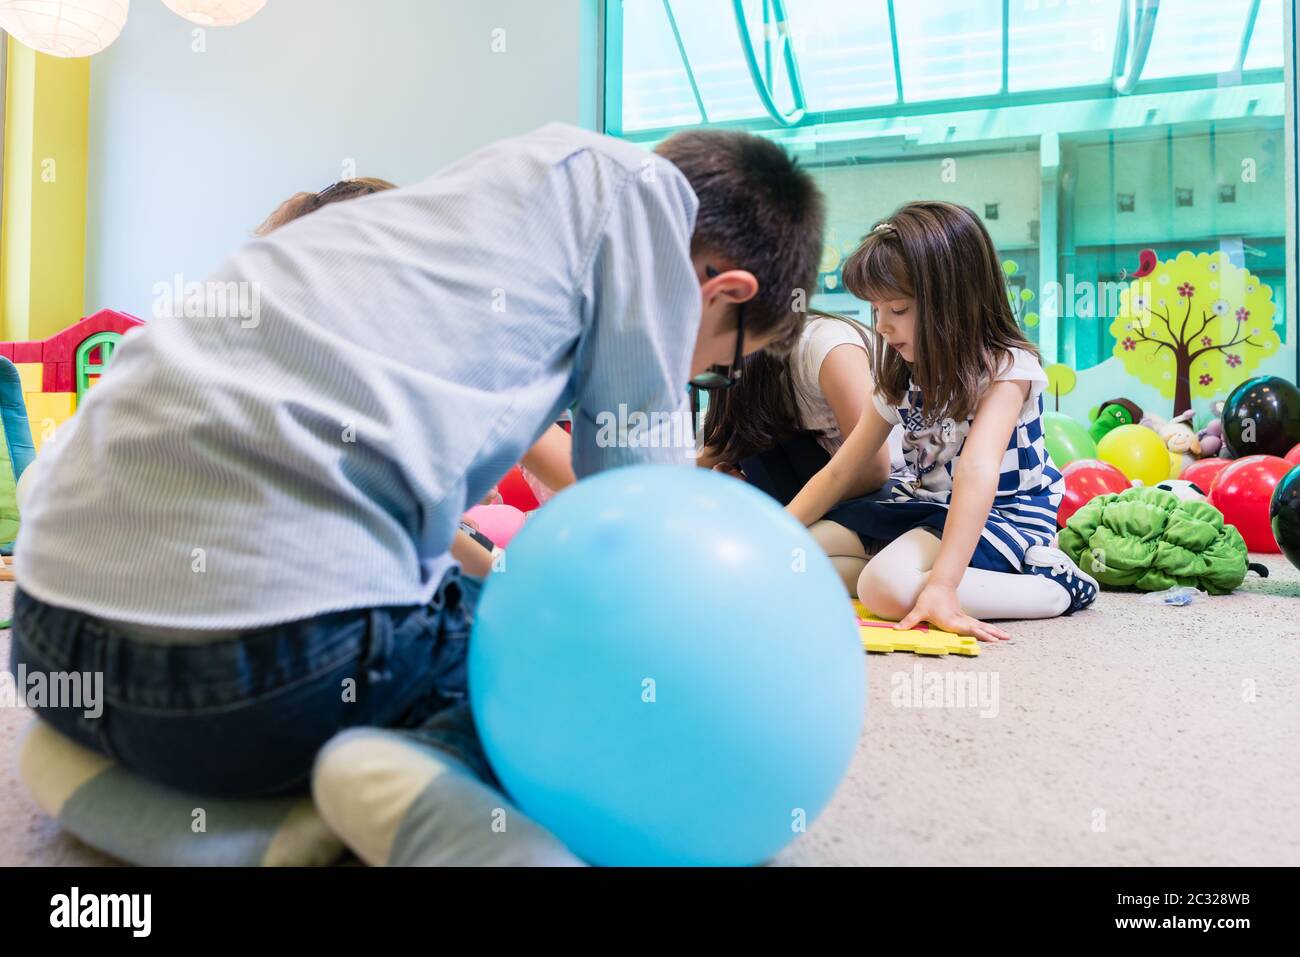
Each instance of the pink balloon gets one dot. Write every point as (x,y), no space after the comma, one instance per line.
(498,522)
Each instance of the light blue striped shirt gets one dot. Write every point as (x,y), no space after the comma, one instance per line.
(315,452)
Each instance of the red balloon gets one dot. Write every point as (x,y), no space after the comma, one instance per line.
(1294,456)
(1079,465)
(1085,479)
(1243,492)
(1204,472)
(515,491)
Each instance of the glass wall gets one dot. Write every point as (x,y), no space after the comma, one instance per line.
(1131,158)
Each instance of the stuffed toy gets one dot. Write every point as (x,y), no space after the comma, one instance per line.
(1178,435)
(1149,540)
(1113,413)
(1211,437)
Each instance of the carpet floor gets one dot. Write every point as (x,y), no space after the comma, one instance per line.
(1128,734)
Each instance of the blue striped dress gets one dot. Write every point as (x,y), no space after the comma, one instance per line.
(1029,485)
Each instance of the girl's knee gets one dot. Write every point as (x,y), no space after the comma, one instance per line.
(888,593)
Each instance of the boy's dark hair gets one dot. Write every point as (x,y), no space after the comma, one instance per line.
(761,211)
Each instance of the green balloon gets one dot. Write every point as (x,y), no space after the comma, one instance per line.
(1066,439)
(1010,267)
(1027,295)
(1031,319)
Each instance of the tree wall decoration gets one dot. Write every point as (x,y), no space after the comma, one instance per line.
(1021,298)
(1061,380)
(1196,326)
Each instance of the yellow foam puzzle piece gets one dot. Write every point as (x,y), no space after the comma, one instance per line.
(880,636)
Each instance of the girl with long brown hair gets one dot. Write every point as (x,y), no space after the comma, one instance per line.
(972,537)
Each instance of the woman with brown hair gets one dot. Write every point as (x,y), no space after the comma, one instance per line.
(973,536)
(788,414)
(300,204)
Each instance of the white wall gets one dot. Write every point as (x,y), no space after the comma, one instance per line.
(857,196)
(190,150)
(1151,171)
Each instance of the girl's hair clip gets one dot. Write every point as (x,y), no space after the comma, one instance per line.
(883,226)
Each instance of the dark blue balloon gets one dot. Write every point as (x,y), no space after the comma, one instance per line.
(1262,417)
(1285,515)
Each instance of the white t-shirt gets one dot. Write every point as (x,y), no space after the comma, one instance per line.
(820,336)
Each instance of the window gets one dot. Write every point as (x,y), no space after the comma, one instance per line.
(1093,136)
(93,358)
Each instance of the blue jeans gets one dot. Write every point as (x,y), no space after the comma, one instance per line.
(245,717)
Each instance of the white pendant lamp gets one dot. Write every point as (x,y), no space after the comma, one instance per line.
(215,13)
(64,28)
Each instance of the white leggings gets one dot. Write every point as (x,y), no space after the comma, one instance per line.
(889,581)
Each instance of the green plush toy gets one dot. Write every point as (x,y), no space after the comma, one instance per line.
(1150,540)
(1112,414)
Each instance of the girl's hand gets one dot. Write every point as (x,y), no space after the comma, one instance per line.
(727,469)
(938,605)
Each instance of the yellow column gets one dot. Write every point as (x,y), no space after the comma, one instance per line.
(43,233)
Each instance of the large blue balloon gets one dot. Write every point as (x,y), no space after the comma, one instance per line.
(667,670)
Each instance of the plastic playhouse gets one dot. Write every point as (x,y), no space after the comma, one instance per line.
(57,371)
(41,384)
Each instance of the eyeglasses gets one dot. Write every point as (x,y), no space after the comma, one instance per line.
(334,189)
(713,379)
(344,188)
